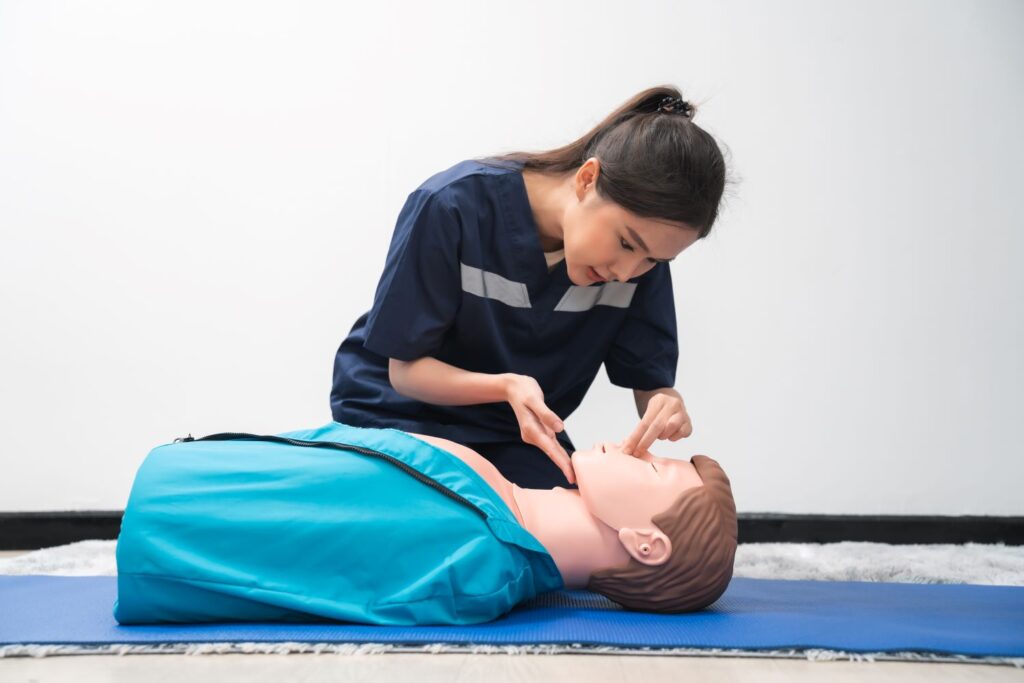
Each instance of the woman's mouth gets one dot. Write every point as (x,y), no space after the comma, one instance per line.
(593,275)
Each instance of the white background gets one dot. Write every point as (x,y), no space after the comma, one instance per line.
(196,200)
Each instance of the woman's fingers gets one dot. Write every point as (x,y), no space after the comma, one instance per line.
(545,426)
(665,418)
(629,446)
(649,429)
(538,425)
(672,426)
(558,456)
(685,430)
(540,435)
(547,416)
(649,437)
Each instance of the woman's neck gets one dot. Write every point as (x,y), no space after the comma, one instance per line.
(579,543)
(548,196)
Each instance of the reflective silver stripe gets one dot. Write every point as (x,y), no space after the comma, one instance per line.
(617,294)
(494,286)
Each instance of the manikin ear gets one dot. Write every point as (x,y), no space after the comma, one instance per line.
(647,546)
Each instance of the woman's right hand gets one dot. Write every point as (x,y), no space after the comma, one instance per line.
(537,423)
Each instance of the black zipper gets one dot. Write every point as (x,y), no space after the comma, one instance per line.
(238,436)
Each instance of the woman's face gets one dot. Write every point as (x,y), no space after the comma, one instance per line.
(627,491)
(604,242)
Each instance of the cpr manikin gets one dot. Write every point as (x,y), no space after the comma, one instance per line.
(607,525)
(381,526)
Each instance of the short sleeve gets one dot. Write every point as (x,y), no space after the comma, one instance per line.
(645,351)
(419,291)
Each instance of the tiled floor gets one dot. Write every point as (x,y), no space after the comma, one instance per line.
(425,668)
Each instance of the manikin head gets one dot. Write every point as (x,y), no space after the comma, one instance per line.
(675,518)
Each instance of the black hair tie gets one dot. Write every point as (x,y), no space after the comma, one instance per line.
(675,105)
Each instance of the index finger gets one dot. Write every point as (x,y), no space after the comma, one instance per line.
(629,445)
(647,439)
(639,452)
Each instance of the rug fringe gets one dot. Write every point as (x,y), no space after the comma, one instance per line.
(813,655)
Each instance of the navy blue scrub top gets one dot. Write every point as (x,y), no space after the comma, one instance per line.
(466,282)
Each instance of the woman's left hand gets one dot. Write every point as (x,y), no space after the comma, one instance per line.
(664,418)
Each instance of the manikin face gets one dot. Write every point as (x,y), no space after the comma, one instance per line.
(627,491)
(604,242)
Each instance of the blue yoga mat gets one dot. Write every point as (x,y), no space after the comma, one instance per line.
(754,614)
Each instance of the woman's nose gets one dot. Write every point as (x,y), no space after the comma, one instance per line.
(620,273)
(628,269)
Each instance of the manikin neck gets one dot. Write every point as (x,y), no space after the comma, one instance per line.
(579,543)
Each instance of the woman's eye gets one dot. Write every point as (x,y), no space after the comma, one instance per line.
(655,468)
(625,244)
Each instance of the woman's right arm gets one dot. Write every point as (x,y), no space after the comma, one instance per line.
(433,381)
(430,380)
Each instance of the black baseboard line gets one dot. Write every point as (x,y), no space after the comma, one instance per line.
(33,530)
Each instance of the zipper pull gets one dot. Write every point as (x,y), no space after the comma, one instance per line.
(184,438)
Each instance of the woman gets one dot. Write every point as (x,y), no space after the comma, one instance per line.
(511,279)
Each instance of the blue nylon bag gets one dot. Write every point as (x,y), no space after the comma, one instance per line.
(336,523)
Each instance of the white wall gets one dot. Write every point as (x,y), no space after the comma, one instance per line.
(196,200)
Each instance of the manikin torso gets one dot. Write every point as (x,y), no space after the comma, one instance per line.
(579,543)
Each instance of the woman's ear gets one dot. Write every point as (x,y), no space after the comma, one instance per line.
(647,546)
(586,176)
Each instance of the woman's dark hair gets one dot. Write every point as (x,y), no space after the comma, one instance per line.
(655,163)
